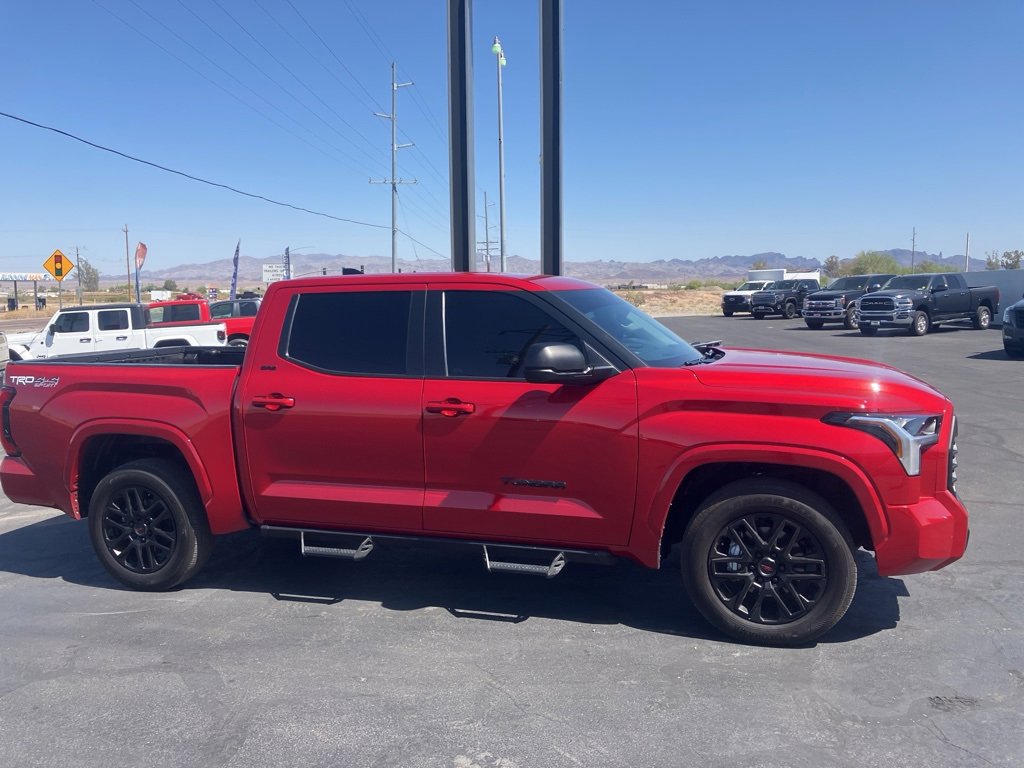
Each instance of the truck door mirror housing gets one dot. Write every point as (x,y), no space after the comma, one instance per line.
(874,287)
(557,363)
(938,288)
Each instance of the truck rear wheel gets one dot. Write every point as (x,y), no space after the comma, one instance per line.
(147,525)
(769,562)
(789,310)
(982,318)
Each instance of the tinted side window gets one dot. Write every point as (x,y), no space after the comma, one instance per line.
(112,320)
(247,308)
(183,312)
(72,322)
(487,333)
(220,311)
(361,332)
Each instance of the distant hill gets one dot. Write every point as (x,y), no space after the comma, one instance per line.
(662,271)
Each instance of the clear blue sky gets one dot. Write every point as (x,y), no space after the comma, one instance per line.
(690,129)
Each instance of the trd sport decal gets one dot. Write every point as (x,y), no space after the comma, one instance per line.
(35,381)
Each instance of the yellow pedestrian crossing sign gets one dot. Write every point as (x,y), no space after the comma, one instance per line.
(58,265)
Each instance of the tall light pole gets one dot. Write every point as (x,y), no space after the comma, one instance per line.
(500,59)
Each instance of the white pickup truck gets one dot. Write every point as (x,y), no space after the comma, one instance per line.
(108,328)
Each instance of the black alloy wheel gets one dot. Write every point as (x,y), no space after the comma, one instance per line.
(867,329)
(769,562)
(814,324)
(148,526)
(789,310)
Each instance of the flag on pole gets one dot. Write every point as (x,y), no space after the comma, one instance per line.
(234,270)
(140,255)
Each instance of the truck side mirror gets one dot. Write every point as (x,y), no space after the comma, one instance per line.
(557,363)
(938,288)
(874,287)
(52,329)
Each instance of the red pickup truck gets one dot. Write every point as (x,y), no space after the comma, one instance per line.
(543,420)
(238,315)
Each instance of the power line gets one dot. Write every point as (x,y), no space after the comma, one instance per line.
(190,176)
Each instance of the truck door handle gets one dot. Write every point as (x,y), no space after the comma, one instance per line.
(450,407)
(122,338)
(85,341)
(273,402)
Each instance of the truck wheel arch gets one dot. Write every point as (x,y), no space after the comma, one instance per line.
(99,447)
(695,477)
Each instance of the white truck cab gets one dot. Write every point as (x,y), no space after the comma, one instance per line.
(108,328)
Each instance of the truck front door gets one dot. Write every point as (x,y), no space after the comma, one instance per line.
(69,334)
(331,416)
(510,459)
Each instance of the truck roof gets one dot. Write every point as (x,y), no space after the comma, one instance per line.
(526,282)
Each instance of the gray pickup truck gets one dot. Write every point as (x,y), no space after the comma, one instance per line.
(919,303)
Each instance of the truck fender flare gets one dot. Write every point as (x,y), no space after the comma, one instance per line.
(783,455)
(155,429)
(20,350)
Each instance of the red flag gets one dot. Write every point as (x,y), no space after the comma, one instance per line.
(140,255)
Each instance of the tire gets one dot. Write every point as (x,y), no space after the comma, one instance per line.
(239,341)
(921,324)
(759,315)
(982,319)
(849,321)
(794,575)
(1013,351)
(727,312)
(789,310)
(815,324)
(868,330)
(147,525)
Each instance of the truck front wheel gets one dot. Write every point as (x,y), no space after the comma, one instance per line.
(147,525)
(769,562)
(921,324)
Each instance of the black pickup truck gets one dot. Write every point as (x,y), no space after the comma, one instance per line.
(838,302)
(785,298)
(920,302)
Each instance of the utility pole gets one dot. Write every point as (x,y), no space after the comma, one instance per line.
(967,254)
(394,182)
(913,249)
(78,263)
(127,263)
(499,52)
(487,236)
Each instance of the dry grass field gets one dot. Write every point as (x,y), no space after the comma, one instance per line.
(667,303)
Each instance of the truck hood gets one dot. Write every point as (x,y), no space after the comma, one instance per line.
(840,382)
(831,295)
(897,293)
(22,338)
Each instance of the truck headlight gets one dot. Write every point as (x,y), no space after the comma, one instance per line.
(907,435)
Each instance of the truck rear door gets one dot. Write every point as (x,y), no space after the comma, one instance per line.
(331,414)
(114,331)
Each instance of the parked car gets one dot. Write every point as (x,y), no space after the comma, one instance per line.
(5,355)
(108,327)
(237,315)
(541,420)
(1013,329)
(838,302)
(785,297)
(739,300)
(920,302)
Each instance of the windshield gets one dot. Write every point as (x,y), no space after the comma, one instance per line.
(785,285)
(912,282)
(640,333)
(756,285)
(856,283)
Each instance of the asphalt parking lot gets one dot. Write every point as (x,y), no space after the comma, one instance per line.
(411,659)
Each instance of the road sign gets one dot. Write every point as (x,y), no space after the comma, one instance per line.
(58,265)
(273,272)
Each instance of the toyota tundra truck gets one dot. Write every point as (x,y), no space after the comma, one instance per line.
(541,420)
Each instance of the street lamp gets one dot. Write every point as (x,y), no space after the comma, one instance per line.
(500,59)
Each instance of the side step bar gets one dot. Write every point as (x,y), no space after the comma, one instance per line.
(515,558)
(365,547)
(547,571)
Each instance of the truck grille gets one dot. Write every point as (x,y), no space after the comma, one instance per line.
(877,304)
(1018,318)
(821,306)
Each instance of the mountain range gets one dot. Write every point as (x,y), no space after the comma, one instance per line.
(662,271)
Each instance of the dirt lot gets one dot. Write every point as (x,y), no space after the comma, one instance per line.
(661,303)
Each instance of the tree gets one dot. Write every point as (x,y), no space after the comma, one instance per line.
(89,275)
(931,266)
(1012,259)
(170,285)
(873,263)
(992,261)
(831,266)
(759,264)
